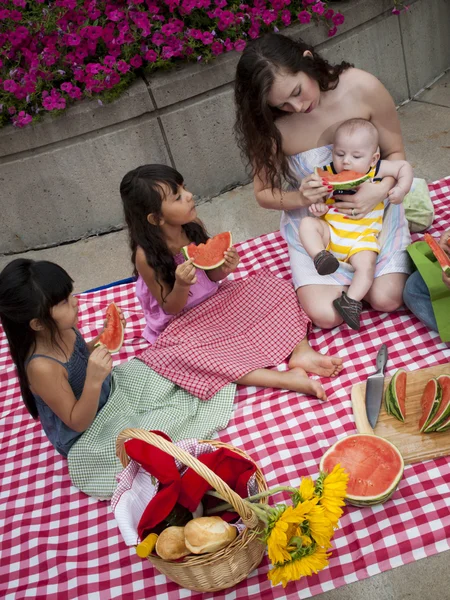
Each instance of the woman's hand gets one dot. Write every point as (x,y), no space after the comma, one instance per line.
(360,204)
(99,365)
(231,261)
(314,189)
(186,274)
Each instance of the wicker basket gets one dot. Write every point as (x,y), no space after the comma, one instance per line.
(227,567)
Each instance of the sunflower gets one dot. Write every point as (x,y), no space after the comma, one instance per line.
(332,489)
(306,489)
(320,526)
(313,562)
(283,527)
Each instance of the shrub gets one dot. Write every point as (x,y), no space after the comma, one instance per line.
(53,53)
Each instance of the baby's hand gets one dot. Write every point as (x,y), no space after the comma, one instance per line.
(318,209)
(186,274)
(396,195)
(231,261)
(313,188)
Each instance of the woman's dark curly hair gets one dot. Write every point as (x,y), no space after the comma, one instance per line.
(142,194)
(257,135)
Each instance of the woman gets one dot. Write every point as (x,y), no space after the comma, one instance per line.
(289,103)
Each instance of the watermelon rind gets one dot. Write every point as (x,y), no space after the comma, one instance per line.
(185,251)
(362,501)
(443,413)
(392,404)
(346,185)
(434,407)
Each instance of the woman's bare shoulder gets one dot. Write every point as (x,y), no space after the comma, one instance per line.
(360,81)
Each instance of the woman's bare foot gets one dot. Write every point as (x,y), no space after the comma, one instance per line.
(311,361)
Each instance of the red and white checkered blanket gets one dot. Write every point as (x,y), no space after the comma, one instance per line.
(57,543)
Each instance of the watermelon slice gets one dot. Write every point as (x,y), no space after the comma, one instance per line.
(112,336)
(345,180)
(442,258)
(210,255)
(431,399)
(395,396)
(375,467)
(443,414)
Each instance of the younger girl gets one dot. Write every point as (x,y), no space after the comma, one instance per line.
(232,332)
(82,402)
(64,380)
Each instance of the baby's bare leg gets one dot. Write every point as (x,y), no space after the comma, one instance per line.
(364,264)
(314,235)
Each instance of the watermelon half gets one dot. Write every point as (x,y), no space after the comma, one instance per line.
(210,255)
(442,416)
(395,396)
(345,180)
(430,401)
(112,336)
(375,467)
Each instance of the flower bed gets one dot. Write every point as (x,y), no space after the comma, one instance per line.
(53,53)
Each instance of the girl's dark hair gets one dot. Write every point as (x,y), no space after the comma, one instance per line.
(28,290)
(257,135)
(142,194)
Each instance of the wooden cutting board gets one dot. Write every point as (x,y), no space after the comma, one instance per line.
(413,445)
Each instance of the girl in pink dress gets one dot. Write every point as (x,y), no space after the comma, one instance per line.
(205,334)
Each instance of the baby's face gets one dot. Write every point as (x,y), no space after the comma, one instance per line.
(354,151)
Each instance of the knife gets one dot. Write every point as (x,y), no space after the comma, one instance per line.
(374,387)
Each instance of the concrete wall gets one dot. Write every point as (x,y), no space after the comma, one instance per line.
(60,178)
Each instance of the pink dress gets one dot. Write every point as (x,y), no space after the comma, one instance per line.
(155,317)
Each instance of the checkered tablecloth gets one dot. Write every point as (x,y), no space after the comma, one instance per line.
(57,543)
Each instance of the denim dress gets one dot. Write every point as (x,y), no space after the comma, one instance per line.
(61,436)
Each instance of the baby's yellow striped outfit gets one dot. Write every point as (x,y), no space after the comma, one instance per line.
(349,236)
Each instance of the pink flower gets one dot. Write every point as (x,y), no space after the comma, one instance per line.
(151,56)
(319,8)
(304,16)
(116,15)
(122,66)
(22,119)
(217,48)
(72,39)
(239,45)
(332,31)
(329,13)
(136,61)
(395,11)
(338,19)
(285,17)
(268,16)
(109,61)
(207,37)
(9,85)
(91,32)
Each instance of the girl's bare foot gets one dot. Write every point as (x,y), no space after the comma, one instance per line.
(311,361)
(294,380)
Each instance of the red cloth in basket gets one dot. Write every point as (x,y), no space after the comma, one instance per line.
(188,490)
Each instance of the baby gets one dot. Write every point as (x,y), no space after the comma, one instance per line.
(335,237)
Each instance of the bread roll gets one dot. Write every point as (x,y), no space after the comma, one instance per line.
(170,544)
(208,534)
